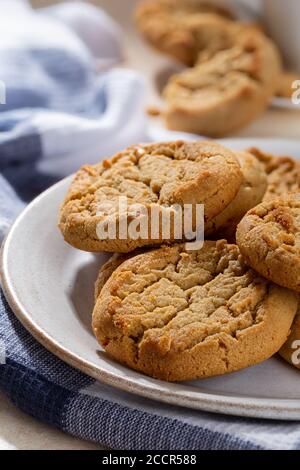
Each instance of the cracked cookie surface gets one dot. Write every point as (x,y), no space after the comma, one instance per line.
(235,70)
(178,315)
(226,92)
(157,176)
(250,194)
(183,28)
(283,174)
(109,267)
(269,239)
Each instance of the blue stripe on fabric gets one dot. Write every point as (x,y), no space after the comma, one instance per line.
(21,144)
(121,427)
(50,77)
(27,181)
(33,394)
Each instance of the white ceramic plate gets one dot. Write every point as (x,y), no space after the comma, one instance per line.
(284,103)
(49,285)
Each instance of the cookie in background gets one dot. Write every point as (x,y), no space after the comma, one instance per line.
(235,71)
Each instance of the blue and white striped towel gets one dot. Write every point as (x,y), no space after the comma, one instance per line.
(58,115)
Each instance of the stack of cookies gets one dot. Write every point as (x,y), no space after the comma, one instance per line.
(169,309)
(234,68)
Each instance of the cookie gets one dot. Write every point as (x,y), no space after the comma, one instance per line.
(183,28)
(178,315)
(109,267)
(250,194)
(290,351)
(269,239)
(227,92)
(283,174)
(157,176)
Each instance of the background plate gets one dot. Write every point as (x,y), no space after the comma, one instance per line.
(49,286)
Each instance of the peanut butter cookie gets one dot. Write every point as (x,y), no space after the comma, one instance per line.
(269,239)
(109,267)
(183,28)
(290,351)
(227,91)
(250,194)
(283,174)
(178,315)
(156,176)
(236,67)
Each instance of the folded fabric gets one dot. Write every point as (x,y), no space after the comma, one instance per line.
(59,112)
(58,115)
(100,34)
(10,206)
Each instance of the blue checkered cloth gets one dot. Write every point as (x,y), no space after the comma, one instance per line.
(60,114)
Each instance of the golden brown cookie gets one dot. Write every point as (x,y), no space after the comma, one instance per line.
(269,239)
(109,267)
(178,315)
(183,28)
(283,174)
(250,194)
(157,176)
(226,92)
(106,271)
(290,351)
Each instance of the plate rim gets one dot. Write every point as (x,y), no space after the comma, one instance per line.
(244,406)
